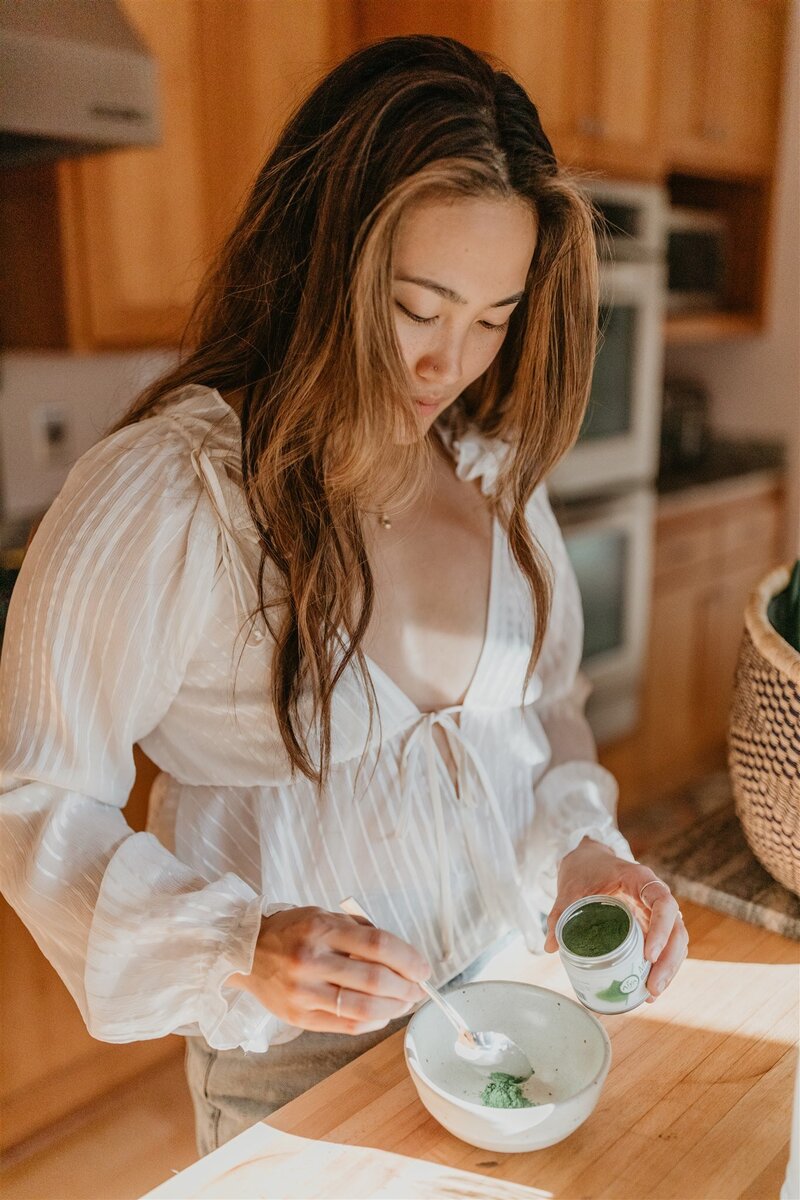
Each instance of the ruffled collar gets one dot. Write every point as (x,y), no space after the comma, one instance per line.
(476,456)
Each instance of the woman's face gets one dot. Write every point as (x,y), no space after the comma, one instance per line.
(459,270)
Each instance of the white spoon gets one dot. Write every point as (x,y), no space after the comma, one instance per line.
(488,1051)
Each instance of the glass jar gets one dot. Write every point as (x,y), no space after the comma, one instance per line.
(612,982)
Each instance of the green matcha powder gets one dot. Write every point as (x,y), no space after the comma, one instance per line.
(503,1091)
(595,930)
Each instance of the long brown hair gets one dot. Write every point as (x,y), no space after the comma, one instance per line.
(296,310)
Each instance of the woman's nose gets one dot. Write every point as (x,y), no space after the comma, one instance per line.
(441,366)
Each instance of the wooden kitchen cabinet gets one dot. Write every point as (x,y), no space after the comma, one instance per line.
(125,234)
(465,20)
(258,60)
(106,251)
(709,555)
(720,84)
(590,66)
(614,47)
(135,220)
(532,37)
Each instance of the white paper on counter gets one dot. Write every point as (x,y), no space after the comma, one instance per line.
(264,1164)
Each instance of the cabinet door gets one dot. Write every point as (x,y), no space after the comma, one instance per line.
(590,66)
(534,39)
(136,239)
(531,37)
(720,83)
(722,626)
(258,61)
(669,703)
(615,44)
(744,47)
(464,20)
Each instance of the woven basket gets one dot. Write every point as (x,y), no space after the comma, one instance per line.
(764,739)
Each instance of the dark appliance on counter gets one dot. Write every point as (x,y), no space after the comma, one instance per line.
(685,426)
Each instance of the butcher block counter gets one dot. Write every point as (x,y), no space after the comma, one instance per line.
(697,1105)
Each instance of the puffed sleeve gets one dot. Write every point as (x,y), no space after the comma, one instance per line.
(575,796)
(107,609)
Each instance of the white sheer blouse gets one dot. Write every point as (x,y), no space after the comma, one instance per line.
(129,623)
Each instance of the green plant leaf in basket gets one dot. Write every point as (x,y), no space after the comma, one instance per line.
(783,610)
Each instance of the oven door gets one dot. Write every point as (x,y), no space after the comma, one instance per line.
(618,443)
(610,545)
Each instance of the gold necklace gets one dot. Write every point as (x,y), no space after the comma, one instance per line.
(383,518)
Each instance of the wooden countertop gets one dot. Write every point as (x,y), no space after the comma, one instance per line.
(719,491)
(697,1103)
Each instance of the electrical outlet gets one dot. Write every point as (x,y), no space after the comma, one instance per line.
(51,429)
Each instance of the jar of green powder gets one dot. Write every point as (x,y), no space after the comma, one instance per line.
(602,948)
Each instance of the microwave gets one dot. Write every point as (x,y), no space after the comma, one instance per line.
(698,260)
(618,444)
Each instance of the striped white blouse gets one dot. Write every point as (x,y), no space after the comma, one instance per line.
(124,627)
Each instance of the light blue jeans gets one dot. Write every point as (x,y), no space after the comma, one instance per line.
(231,1090)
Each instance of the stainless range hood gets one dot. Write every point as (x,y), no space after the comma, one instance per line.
(75,78)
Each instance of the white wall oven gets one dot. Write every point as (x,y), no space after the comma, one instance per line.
(603,492)
(610,545)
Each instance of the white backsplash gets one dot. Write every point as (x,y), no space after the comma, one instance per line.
(91,391)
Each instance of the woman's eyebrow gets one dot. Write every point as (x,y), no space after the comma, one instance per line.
(449,294)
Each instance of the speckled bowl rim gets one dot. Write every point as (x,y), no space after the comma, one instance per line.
(468,1105)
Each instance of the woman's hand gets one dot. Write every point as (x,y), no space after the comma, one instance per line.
(332,973)
(593,869)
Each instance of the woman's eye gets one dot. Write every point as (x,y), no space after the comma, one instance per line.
(414,317)
(430,320)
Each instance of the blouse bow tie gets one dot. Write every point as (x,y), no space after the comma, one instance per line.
(493,876)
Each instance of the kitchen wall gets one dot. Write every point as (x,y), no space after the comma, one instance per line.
(755,382)
(90,390)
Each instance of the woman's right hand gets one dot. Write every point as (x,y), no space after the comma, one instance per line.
(304,956)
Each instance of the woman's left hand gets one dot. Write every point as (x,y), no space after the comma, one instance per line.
(593,869)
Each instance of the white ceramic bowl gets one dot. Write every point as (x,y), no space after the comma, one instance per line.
(567,1046)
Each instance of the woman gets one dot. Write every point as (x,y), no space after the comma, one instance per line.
(332,510)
